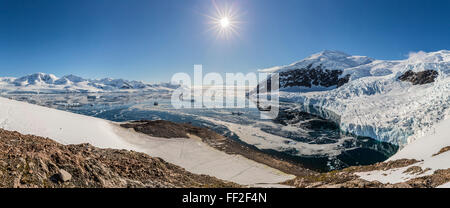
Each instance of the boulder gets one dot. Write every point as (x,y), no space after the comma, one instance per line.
(64,175)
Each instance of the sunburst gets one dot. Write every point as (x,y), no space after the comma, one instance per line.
(225,21)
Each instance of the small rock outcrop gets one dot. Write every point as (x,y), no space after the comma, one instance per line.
(64,175)
(159,128)
(419,78)
(443,150)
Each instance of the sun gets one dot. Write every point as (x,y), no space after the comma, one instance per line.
(224,21)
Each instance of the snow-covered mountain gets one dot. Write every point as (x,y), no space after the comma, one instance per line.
(321,71)
(328,59)
(49,83)
(35,79)
(394,101)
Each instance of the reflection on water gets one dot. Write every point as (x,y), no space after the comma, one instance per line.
(299,129)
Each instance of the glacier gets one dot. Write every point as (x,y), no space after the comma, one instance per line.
(374,103)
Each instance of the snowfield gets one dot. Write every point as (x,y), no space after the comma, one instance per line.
(191,154)
(374,102)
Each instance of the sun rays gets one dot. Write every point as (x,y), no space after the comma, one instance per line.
(224,22)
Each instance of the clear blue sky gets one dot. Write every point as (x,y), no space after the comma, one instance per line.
(152,39)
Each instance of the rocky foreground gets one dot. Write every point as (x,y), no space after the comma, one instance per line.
(347,178)
(31,161)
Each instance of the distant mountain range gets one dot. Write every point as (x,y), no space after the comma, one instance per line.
(49,83)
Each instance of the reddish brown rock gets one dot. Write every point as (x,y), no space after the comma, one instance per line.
(31,161)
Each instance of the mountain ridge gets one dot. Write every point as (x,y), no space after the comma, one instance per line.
(72,83)
(331,69)
(327,58)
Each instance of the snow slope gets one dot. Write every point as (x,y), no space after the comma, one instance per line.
(191,154)
(328,59)
(49,83)
(374,102)
(423,150)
